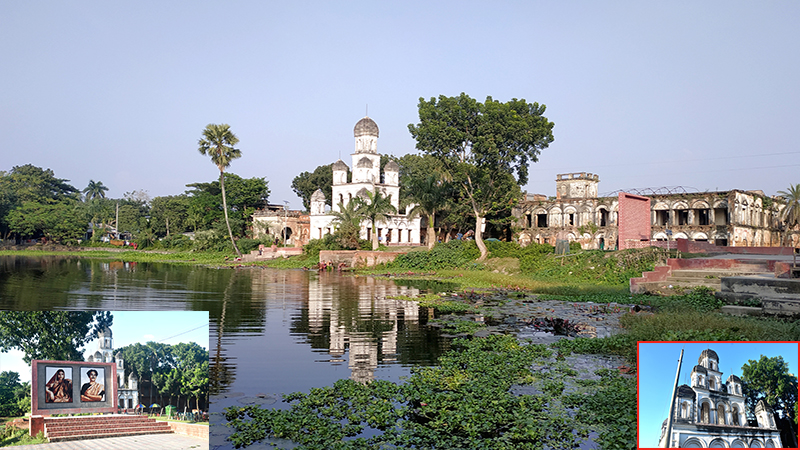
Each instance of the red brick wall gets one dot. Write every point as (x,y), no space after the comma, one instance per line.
(688,246)
(199,431)
(634,221)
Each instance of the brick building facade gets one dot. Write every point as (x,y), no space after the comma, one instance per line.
(729,218)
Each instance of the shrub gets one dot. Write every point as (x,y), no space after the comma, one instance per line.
(499,249)
(177,242)
(450,255)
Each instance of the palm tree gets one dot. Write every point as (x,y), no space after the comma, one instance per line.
(429,197)
(218,142)
(791,213)
(375,208)
(94,190)
(349,223)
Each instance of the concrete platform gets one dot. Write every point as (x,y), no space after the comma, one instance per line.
(148,441)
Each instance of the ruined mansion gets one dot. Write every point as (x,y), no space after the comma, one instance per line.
(733,218)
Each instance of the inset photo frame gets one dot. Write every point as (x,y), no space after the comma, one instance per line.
(717,394)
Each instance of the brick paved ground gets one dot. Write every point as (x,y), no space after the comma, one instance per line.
(146,441)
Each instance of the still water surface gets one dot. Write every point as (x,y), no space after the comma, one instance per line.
(272,331)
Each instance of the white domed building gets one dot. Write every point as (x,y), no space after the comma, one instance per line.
(711,412)
(366,177)
(127,393)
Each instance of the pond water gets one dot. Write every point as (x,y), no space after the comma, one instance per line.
(272,331)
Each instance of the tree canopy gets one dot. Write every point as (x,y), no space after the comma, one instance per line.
(56,335)
(484,148)
(305,184)
(769,379)
(217,142)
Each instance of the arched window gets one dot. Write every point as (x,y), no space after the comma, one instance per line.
(735,415)
(705,413)
(692,443)
(717,443)
(756,444)
(721,414)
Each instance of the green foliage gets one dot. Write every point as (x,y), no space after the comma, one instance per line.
(596,266)
(702,299)
(771,380)
(499,249)
(61,222)
(464,402)
(610,409)
(15,397)
(482,146)
(453,254)
(54,335)
(305,184)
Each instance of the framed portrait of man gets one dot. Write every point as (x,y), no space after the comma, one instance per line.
(58,384)
(92,389)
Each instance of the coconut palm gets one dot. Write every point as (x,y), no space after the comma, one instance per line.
(791,213)
(348,221)
(95,189)
(375,208)
(218,142)
(429,197)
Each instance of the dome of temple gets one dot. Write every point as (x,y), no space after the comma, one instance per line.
(318,196)
(685,391)
(366,127)
(711,354)
(391,166)
(340,165)
(699,369)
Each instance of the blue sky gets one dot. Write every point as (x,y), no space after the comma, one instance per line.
(645,94)
(129,327)
(659,361)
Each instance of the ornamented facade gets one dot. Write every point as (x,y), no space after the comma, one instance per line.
(728,218)
(128,393)
(366,177)
(711,412)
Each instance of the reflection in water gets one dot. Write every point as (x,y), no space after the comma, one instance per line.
(272,331)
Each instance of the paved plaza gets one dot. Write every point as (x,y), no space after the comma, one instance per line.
(145,441)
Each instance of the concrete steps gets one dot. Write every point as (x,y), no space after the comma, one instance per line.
(779,296)
(58,429)
(682,280)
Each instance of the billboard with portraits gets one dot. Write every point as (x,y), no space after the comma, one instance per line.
(68,387)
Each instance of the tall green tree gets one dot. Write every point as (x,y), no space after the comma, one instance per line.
(480,144)
(95,189)
(244,196)
(11,395)
(169,214)
(218,142)
(59,222)
(305,184)
(429,196)
(770,379)
(791,212)
(375,208)
(34,184)
(56,335)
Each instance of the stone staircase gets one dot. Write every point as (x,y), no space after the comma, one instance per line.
(58,429)
(680,276)
(776,296)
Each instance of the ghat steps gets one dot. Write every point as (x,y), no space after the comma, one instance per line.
(58,429)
